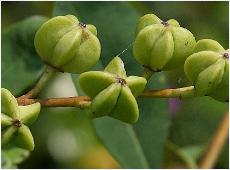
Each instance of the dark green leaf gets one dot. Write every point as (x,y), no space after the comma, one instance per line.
(21,66)
(121,141)
(197,120)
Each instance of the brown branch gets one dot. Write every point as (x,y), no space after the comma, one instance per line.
(84,101)
(183,92)
(216,144)
(78,101)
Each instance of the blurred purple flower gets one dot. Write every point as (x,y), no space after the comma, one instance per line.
(174,105)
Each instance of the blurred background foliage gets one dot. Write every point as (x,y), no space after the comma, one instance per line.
(170,133)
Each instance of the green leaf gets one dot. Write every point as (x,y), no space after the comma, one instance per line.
(116,33)
(13,156)
(197,120)
(21,66)
(121,141)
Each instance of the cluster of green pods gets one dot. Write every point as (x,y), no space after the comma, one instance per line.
(162,45)
(67,44)
(15,121)
(113,93)
(208,69)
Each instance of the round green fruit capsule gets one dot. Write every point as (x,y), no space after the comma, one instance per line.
(208,70)
(14,119)
(162,45)
(113,92)
(67,44)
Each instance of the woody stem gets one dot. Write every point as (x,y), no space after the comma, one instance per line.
(184,92)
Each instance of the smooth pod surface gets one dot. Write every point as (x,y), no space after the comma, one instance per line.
(106,100)
(8,103)
(93,82)
(126,108)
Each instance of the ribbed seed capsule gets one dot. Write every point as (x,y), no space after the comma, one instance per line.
(67,44)
(113,92)
(161,45)
(208,70)
(14,120)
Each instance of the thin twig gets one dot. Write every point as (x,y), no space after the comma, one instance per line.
(85,100)
(216,144)
(78,101)
(45,77)
(184,92)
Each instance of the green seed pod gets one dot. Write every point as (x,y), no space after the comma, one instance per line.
(23,138)
(5,121)
(208,79)
(207,69)
(136,84)
(67,44)
(93,82)
(8,134)
(113,92)
(162,45)
(28,114)
(126,108)
(106,100)
(116,66)
(9,103)
(13,119)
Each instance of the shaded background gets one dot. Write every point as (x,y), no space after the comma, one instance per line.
(65,138)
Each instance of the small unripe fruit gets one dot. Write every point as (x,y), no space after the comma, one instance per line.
(126,108)
(113,92)
(14,119)
(67,44)
(208,70)
(161,45)
(106,100)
